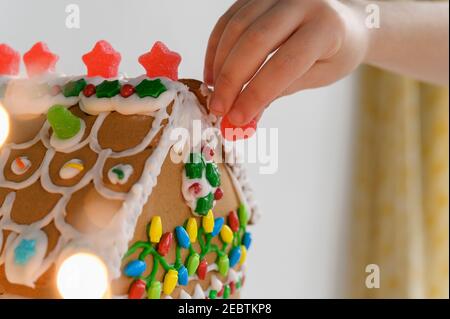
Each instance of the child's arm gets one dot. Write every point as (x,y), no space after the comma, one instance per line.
(315,43)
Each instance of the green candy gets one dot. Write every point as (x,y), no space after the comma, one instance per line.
(108,89)
(226,292)
(153,88)
(243,215)
(213,294)
(223,265)
(65,125)
(204,204)
(74,88)
(154,292)
(192,264)
(194,168)
(213,174)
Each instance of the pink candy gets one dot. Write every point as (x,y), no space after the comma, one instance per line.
(9,60)
(160,61)
(102,61)
(39,60)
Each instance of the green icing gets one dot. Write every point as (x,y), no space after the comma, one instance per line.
(74,88)
(120,174)
(108,89)
(65,125)
(204,204)
(213,174)
(194,169)
(153,88)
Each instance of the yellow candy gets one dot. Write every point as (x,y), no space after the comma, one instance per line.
(77,166)
(155,231)
(227,234)
(191,228)
(208,222)
(243,255)
(170,281)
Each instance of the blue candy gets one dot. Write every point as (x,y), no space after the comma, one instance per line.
(218,224)
(235,255)
(183,277)
(135,268)
(182,237)
(24,251)
(247,240)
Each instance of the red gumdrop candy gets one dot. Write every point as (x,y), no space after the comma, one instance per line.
(9,60)
(39,60)
(160,61)
(233,133)
(102,61)
(137,289)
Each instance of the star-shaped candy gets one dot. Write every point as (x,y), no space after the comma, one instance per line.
(160,61)
(102,61)
(9,60)
(39,60)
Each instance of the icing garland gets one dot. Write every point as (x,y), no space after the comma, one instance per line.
(233,236)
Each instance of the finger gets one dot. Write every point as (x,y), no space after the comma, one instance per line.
(291,61)
(236,26)
(214,39)
(264,36)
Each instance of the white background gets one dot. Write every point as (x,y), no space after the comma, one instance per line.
(299,246)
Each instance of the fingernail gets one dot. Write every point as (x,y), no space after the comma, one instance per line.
(236,118)
(216,106)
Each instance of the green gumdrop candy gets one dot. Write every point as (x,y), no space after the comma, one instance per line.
(65,125)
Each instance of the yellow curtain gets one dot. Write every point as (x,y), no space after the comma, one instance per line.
(401,195)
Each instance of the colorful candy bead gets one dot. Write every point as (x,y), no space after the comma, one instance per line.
(220,293)
(165,243)
(232,287)
(182,237)
(243,255)
(235,256)
(154,292)
(226,234)
(202,269)
(135,268)
(183,276)
(227,291)
(137,289)
(150,88)
(65,125)
(247,240)
(9,60)
(243,215)
(102,61)
(218,194)
(160,61)
(233,221)
(127,90)
(213,174)
(155,229)
(233,133)
(195,189)
(20,165)
(170,281)
(223,264)
(218,224)
(208,222)
(193,263)
(192,229)
(39,60)
(71,169)
(204,204)
(89,90)
(208,153)
(212,294)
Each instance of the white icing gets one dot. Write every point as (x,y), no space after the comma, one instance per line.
(216,284)
(198,292)
(17,169)
(62,145)
(71,169)
(184,295)
(127,171)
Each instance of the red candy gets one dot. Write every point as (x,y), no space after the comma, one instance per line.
(195,188)
(55,90)
(89,90)
(160,61)
(9,60)
(218,194)
(39,60)
(202,269)
(165,243)
(127,90)
(208,153)
(102,61)
(232,287)
(233,221)
(233,133)
(220,293)
(137,289)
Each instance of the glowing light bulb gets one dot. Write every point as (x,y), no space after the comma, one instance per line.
(4,125)
(82,276)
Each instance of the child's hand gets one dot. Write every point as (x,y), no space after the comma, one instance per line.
(315,43)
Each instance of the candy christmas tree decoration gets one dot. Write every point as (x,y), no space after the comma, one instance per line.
(161,62)
(102,61)
(89,192)
(9,61)
(39,60)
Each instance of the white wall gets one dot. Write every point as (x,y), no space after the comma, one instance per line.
(299,245)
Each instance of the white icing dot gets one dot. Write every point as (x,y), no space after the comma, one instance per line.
(120,174)
(20,165)
(71,169)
